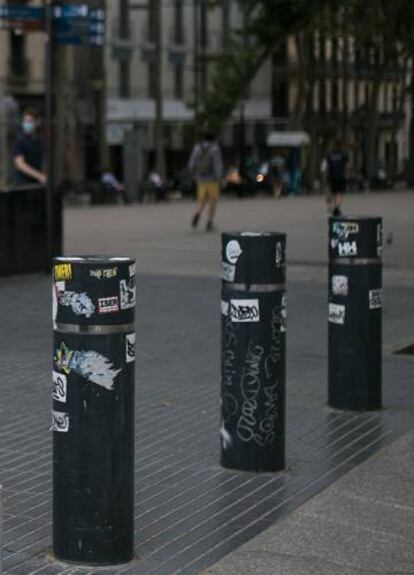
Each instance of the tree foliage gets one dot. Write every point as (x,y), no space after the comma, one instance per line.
(384,28)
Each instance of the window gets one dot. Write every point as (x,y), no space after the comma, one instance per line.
(152,25)
(226,22)
(152,80)
(203,24)
(17,54)
(322,96)
(334,96)
(179,80)
(280,100)
(178,22)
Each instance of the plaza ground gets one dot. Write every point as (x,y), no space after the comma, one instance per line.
(346,500)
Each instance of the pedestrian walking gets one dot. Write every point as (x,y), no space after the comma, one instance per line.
(337,161)
(28,152)
(206,167)
(279,174)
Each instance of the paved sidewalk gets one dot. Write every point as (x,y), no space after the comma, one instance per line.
(189,512)
(161,238)
(361,525)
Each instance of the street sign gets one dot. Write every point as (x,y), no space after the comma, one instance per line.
(79,24)
(21,17)
(76,24)
(21,12)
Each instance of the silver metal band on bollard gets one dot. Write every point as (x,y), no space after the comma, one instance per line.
(258,288)
(94,329)
(357,261)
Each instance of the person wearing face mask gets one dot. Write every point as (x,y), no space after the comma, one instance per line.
(28,152)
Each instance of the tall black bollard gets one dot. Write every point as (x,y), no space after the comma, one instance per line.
(253,311)
(355,313)
(93,409)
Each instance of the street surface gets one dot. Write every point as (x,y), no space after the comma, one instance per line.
(189,512)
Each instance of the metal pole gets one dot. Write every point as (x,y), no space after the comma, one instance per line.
(159,127)
(355,313)
(125,62)
(196,33)
(50,129)
(253,307)
(93,409)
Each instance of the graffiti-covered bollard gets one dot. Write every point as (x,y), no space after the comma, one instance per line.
(253,309)
(93,409)
(355,313)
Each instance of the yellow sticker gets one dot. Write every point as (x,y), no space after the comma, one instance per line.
(63,272)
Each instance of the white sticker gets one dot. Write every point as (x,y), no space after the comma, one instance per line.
(337,313)
(60,387)
(80,303)
(60,421)
(104,273)
(375,298)
(132,270)
(283,314)
(347,249)
(128,292)
(244,310)
(57,287)
(345,229)
(233,251)
(130,347)
(228,272)
(280,260)
(340,285)
(379,240)
(225,307)
(108,304)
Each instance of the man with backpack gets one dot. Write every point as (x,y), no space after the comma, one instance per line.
(206,167)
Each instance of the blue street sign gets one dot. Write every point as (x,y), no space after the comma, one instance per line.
(81,27)
(21,12)
(73,40)
(74,11)
(79,24)
(73,23)
(71,11)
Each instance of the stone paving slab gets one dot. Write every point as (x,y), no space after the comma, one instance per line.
(189,512)
(361,525)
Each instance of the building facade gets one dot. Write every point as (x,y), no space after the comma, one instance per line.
(325,88)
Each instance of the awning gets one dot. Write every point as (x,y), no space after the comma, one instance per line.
(288,139)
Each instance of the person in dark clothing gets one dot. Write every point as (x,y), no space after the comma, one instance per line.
(28,152)
(337,161)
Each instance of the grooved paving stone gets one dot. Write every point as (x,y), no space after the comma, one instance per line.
(189,512)
(358,525)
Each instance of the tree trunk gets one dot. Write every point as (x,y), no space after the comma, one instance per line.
(372,127)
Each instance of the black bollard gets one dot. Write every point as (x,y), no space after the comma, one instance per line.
(355,313)
(93,409)
(253,358)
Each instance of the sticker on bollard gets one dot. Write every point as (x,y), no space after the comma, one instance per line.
(93,410)
(355,319)
(253,309)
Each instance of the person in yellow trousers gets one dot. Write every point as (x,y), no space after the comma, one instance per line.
(206,167)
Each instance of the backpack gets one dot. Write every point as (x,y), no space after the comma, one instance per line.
(205,162)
